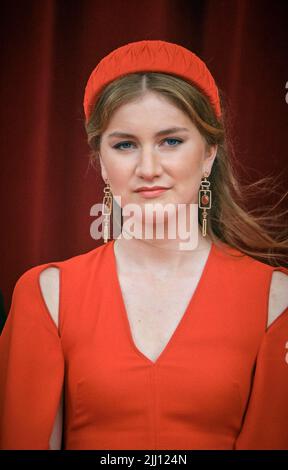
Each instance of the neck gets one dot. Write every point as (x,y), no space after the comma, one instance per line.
(161,254)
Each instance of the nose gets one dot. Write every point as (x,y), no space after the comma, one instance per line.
(148,165)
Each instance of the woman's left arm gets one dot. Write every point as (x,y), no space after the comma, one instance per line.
(265,423)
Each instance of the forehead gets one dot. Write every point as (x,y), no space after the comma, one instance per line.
(151,109)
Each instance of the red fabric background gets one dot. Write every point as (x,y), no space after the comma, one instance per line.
(49,48)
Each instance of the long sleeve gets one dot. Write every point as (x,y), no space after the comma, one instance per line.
(31,369)
(265,425)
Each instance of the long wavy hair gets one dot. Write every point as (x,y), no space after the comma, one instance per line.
(260,232)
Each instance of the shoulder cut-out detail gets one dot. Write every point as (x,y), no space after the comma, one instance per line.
(56,435)
(49,282)
(278,297)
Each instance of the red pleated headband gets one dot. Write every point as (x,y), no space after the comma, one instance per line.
(150,56)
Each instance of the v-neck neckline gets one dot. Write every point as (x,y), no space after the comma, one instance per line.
(181,323)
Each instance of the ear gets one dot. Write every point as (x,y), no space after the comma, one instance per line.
(103,169)
(210,156)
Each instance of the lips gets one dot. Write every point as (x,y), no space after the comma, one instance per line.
(151,188)
(152,193)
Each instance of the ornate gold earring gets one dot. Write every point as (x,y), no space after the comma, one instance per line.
(106,211)
(205,201)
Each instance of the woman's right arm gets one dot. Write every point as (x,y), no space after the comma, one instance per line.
(32,368)
(49,282)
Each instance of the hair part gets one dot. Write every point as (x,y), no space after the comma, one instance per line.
(230,220)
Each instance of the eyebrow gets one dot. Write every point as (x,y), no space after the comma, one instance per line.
(171,130)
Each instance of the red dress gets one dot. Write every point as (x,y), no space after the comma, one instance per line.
(220,383)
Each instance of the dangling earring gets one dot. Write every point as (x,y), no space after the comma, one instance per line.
(106,211)
(205,201)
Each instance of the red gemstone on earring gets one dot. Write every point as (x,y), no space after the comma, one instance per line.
(205,200)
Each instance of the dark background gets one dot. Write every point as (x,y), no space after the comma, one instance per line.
(48,50)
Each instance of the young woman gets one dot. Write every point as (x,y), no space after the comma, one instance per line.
(141,343)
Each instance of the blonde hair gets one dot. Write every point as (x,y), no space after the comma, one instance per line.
(260,235)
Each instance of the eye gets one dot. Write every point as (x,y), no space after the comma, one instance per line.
(119,146)
(173,140)
(123,145)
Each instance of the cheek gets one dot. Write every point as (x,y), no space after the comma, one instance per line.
(189,171)
(120,181)
(189,161)
(119,174)
(187,177)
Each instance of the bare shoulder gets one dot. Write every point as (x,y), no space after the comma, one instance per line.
(49,283)
(278,297)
